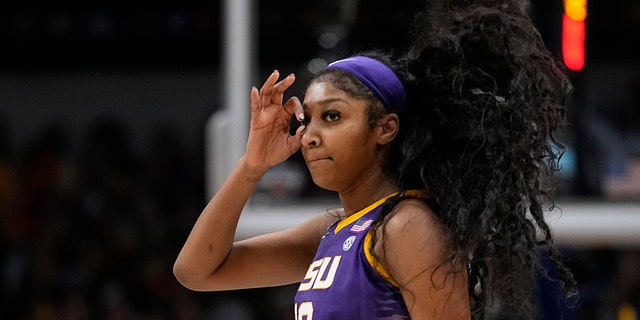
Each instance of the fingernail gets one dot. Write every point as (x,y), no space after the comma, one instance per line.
(301,116)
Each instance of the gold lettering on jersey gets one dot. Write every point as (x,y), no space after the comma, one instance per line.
(318,277)
(310,277)
(325,283)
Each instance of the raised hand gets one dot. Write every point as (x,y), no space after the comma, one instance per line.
(269,140)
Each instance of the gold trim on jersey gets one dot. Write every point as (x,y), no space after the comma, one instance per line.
(373,262)
(354,217)
(376,265)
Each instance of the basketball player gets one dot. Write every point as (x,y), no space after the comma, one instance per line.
(436,156)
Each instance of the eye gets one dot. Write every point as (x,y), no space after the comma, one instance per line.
(331,115)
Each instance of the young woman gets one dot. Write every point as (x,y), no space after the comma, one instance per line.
(437,158)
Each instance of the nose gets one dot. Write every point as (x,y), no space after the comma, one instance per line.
(310,137)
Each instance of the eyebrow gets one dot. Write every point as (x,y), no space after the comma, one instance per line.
(325,101)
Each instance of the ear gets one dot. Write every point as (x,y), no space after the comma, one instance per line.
(387,129)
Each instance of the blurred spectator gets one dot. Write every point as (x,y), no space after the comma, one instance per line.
(608,129)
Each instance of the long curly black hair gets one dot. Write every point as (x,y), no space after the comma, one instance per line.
(484,100)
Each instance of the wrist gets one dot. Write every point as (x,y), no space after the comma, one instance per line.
(250,172)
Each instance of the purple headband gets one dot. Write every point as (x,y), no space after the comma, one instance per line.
(374,74)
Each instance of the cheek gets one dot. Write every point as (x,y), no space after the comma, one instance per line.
(352,152)
(355,149)
(351,155)
(360,146)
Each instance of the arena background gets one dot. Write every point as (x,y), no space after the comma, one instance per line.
(116,125)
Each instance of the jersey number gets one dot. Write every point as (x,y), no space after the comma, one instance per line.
(304,311)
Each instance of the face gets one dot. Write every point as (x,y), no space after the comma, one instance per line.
(338,144)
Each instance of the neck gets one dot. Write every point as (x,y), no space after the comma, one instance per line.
(368,192)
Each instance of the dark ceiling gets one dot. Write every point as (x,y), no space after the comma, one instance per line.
(140,33)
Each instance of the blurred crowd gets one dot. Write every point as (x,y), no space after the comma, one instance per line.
(90,231)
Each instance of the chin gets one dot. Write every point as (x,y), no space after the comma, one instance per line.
(326,185)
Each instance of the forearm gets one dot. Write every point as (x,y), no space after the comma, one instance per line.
(212,235)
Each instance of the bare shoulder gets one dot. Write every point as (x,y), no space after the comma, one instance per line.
(414,249)
(413,217)
(411,240)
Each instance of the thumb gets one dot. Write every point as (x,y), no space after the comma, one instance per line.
(294,142)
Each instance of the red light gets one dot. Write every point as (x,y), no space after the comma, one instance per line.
(573,35)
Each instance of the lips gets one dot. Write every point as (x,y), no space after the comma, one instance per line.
(315,159)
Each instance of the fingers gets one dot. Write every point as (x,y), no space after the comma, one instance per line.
(267,88)
(255,101)
(293,106)
(294,142)
(277,94)
(272,91)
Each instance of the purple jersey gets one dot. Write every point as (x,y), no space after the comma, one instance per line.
(341,282)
